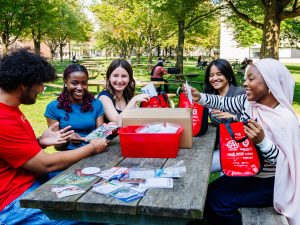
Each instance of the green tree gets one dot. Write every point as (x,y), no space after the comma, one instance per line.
(70,24)
(13,20)
(189,15)
(266,15)
(127,26)
(290,33)
(42,14)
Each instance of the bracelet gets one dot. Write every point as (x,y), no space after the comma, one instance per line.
(94,148)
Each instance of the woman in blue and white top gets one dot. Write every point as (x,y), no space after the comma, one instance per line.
(269,94)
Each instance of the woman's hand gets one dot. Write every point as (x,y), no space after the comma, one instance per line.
(76,138)
(254,131)
(195,93)
(52,136)
(137,99)
(99,144)
(222,115)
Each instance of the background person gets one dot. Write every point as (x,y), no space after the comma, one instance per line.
(75,107)
(22,159)
(118,94)
(199,62)
(157,74)
(269,95)
(220,80)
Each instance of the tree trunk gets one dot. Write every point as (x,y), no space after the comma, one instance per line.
(70,51)
(52,54)
(4,43)
(271,31)
(138,55)
(37,46)
(179,61)
(61,51)
(150,58)
(158,51)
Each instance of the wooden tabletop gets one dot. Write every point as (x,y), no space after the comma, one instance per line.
(159,206)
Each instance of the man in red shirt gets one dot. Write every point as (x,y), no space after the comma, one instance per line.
(22,159)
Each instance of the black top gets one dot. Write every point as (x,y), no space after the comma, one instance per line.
(104,92)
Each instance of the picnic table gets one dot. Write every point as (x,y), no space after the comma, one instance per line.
(184,202)
(181,78)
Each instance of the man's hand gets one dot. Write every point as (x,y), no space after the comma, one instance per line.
(99,145)
(254,131)
(52,136)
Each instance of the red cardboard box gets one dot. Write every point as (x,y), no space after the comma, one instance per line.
(149,145)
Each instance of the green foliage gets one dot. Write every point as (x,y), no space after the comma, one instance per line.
(290,33)
(244,33)
(263,15)
(68,23)
(128,25)
(13,19)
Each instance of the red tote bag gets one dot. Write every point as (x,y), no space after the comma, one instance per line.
(200,115)
(159,101)
(238,154)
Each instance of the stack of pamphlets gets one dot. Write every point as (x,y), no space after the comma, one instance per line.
(130,184)
(107,131)
(67,190)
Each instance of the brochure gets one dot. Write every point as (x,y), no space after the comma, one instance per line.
(157,183)
(127,195)
(67,190)
(108,131)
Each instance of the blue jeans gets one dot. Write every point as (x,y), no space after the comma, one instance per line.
(13,214)
(227,194)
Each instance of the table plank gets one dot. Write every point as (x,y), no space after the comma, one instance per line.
(43,198)
(158,206)
(176,202)
(100,203)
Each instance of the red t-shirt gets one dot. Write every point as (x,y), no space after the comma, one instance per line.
(18,144)
(159,72)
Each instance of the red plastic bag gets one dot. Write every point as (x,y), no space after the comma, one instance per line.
(200,115)
(160,101)
(238,154)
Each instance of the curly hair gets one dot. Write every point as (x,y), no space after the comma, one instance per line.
(225,68)
(64,98)
(24,67)
(128,92)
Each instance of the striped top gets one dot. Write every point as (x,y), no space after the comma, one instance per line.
(239,104)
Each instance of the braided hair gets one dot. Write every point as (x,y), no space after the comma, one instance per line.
(128,92)
(64,97)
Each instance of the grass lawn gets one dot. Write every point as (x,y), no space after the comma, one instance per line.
(35,113)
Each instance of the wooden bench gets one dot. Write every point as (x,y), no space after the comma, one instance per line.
(262,216)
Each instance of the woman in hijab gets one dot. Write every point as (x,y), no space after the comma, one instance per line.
(269,94)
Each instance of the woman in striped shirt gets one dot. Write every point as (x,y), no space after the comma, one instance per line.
(269,94)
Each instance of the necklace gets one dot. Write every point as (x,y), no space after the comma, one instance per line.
(276,103)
